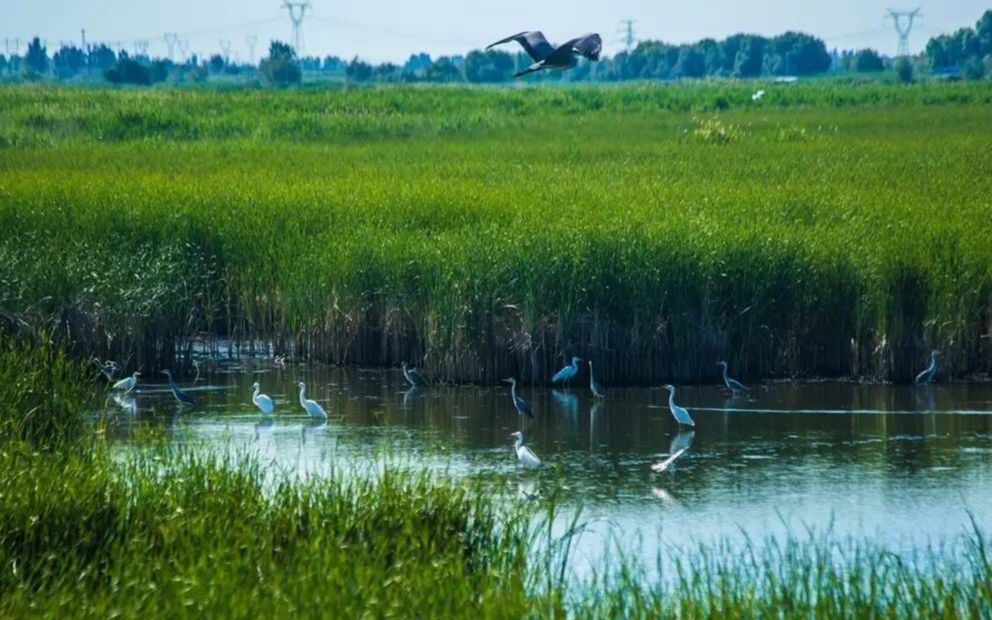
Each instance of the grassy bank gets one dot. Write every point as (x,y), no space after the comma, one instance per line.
(830,230)
(167,532)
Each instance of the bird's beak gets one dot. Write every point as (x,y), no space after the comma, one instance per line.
(507,381)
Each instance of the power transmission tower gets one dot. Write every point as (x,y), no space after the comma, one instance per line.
(171,41)
(296,10)
(183,45)
(225,47)
(903,21)
(140,48)
(83,33)
(251,40)
(626,33)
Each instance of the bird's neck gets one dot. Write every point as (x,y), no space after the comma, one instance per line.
(302,398)
(519,442)
(725,378)
(671,397)
(255,393)
(513,390)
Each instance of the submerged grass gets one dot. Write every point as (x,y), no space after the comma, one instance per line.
(832,230)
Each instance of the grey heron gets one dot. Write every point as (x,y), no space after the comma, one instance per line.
(547,56)
(567,373)
(311,406)
(413,377)
(597,389)
(733,385)
(128,383)
(525,455)
(925,377)
(680,414)
(181,396)
(518,403)
(262,401)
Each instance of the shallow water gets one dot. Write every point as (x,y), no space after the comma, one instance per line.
(903,467)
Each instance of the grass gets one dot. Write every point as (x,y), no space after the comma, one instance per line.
(832,230)
(171,532)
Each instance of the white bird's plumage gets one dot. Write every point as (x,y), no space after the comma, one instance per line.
(680,414)
(525,455)
(262,401)
(311,406)
(127,384)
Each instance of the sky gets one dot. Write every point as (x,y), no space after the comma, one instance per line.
(381,30)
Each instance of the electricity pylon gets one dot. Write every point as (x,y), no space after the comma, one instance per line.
(903,21)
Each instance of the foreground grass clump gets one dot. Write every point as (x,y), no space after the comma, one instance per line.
(175,534)
(831,229)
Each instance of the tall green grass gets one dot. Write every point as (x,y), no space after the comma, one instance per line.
(837,230)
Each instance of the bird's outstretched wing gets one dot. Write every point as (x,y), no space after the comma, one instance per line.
(532,41)
(588,45)
(537,66)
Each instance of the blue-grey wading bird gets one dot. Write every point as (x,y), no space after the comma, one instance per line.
(413,376)
(525,455)
(310,406)
(547,56)
(679,413)
(518,403)
(181,396)
(925,377)
(128,383)
(567,373)
(108,369)
(262,401)
(733,385)
(597,389)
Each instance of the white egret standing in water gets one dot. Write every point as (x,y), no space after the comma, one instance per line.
(680,414)
(597,389)
(925,377)
(127,384)
(525,455)
(567,373)
(733,385)
(311,406)
(262,401)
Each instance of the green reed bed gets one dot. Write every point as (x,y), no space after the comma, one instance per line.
(832,230)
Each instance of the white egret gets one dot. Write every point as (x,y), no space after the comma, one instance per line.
(597,389)
(758,95)
(734,386)
(262,401)
(181,396)
(525,455)
(311,406)
(925,377)
(679,413)
(413,376)
(128,383)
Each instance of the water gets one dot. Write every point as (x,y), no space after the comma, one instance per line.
(902,467)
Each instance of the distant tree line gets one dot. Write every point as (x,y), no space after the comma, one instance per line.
(967,52)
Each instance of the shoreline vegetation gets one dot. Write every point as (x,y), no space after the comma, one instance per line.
(168,531)
(478,233)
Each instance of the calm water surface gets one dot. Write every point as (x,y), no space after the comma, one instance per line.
(901,466)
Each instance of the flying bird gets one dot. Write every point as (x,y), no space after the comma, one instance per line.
(547,56)
(525,455)
(732,385)
(925,377)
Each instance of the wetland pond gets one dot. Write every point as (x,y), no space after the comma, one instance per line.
(907,468)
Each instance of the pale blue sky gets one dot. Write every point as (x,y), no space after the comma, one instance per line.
(390,30)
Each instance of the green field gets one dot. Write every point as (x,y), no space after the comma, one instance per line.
(830,229)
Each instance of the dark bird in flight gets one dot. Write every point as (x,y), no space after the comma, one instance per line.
(547,56)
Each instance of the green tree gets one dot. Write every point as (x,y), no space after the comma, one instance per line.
(128,71)
(750,57)
(904,70)
(358,70)
(101,57)
(280,66)
(491,66)
(867,61)
(216,63)
(36,58)
(973,69)
(68,61)
(443,70)
(690,64)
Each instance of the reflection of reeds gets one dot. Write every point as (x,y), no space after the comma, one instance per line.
(503,253)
